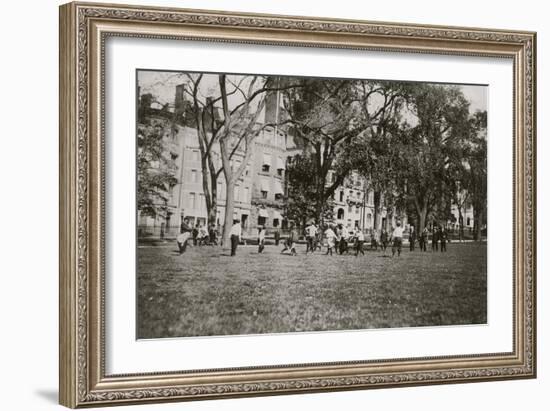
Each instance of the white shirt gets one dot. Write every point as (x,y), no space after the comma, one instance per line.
(311,230)
(261,235)
(236,230)
(398,231)
(360,235)
(329,233)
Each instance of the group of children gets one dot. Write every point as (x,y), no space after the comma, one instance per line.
(337,238)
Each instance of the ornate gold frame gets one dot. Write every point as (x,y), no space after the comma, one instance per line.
(83,30)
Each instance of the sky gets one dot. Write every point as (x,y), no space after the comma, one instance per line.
(162,85)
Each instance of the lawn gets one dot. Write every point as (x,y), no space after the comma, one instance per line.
(207,292)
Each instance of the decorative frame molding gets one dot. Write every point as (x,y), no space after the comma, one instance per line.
(83,30)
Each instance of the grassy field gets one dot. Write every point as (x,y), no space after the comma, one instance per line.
(206,292)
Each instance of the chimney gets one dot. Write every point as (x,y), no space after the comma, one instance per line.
(272,107)
(179,103)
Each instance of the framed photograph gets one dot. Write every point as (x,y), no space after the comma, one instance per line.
(259,204)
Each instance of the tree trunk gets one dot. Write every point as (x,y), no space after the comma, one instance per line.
(478,217)
(460,224)
(422,213)
(320,206)
(229,208)
(213,211)
(377,198)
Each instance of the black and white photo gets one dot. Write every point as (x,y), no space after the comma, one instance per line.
(277,204)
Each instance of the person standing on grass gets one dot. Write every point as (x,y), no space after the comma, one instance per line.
(318,243)
(373,240)
(435,238)
(443,239)
(289,243)
(424,239)
(235,235)
(412,238)
(343,243)
(384,240)
(397,237)
(330,235)
(359,241)
(311,235)
(183,237)
(212,236)
(277,236)
(261,239)
(195,233)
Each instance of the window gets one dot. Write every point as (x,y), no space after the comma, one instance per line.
(341,195)
(279,192)
(261,220)
(275,222)
(266,164)
(246,194)
(349,209)
(280,166)
(196,156)
(236,193)
(194,175)
(192,201)
(202,202)
(264,187)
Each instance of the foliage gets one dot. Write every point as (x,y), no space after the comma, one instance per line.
(156,167)
(302,193)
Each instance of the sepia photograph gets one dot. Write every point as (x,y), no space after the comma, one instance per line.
(283,204)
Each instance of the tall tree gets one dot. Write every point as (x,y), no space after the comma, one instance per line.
(156,167)
(477,170)
(372,152)
(427,147)
(203,117)
(227,122)
(326,117)
(301,193)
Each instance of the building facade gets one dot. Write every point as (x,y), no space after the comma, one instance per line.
(259,195)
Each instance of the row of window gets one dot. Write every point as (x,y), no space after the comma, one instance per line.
(196,201)
(339,195)
(267,163)
(266,166)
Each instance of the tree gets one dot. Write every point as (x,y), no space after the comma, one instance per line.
(328,115)
(428,148)
(477,170)
(301,191)
(156,167)
(227,122)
